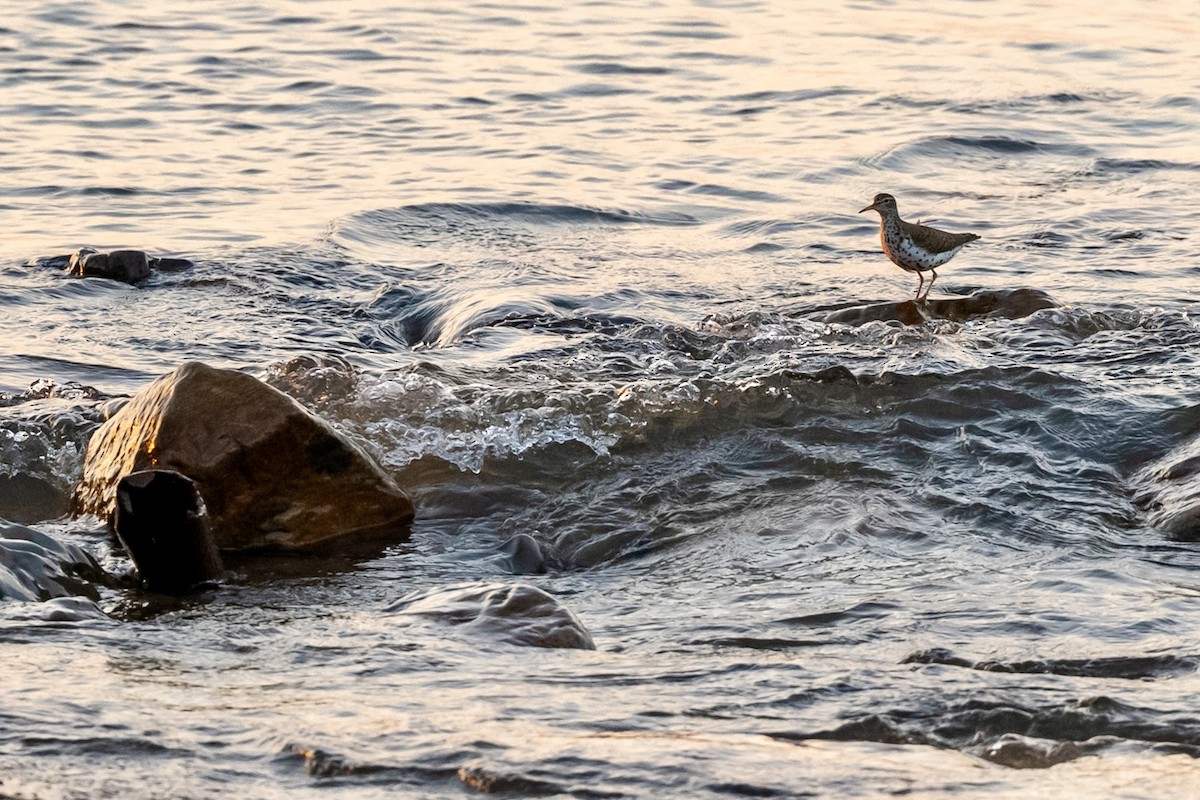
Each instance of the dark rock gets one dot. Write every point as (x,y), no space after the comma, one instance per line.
(50,262)
(1006,303)
(835,374)
(522,555)
(1025,752)
(171,264)
(31,498)
(128,266)
(273,475)
(1169,489)
(163,525)
(518,614)
(34,566)
(489,781)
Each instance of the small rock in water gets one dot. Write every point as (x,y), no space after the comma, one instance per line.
(517,614)
(31,498)
(1027,752)
(34,566)
(522,555)
(1005,303)
(171,264)
(163,525)
(128,266)
(1170,491)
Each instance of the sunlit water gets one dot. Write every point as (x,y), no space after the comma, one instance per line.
(575,259)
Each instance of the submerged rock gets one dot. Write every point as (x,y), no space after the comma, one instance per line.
(522,555)
(517,614)
(1170,490)
(34,566)
(1006,303)
(273,475)
(31,498)
(1027,752)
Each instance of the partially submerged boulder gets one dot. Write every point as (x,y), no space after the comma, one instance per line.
(522,555)
(273,475)
(1006,303)
(514,614)
(127,266)
(1170,491)
(34,566)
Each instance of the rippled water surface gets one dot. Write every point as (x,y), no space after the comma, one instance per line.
(564,270)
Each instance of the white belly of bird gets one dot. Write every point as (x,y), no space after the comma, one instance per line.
(915,255)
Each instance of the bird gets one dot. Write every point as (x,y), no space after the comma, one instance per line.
(914,247)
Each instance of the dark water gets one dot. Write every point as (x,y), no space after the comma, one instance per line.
(563,270)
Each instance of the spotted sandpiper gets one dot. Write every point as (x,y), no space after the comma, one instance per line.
(914,247)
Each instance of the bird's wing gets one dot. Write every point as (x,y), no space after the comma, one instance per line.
(936,241)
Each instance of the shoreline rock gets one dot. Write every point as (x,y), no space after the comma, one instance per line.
(273,475)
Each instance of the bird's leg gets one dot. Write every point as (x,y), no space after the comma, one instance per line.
(931,280)
(921,282)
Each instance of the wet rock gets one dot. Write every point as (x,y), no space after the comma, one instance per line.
(1006,303)
(52,262)
(522,555)
(128,266)
(1124,667)
(34,566)
(320,763)
(489,781)
(1169,489)
(518,614)
(1027,752)
(273,475)
(31,498)
(314,380)
(171,264)
(163,525)
(58,611)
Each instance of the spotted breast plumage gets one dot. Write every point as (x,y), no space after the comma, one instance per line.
(916,248)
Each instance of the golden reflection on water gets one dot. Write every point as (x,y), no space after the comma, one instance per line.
(226,148)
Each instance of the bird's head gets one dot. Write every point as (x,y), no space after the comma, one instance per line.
(884,203)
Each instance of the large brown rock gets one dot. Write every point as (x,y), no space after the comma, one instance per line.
(272,475)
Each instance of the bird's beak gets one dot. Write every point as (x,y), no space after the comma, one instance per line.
(869,208)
